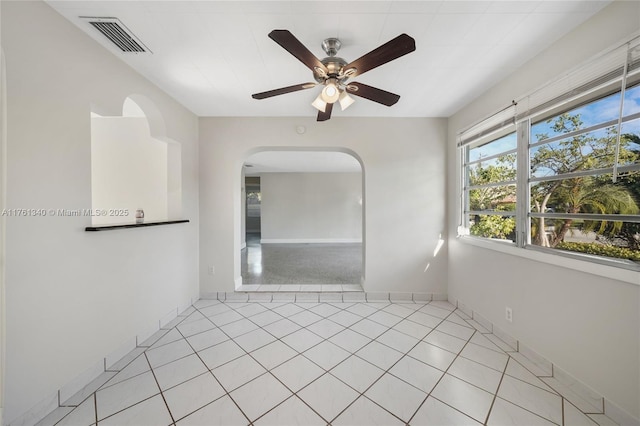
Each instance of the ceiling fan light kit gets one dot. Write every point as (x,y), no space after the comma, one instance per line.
(330,93)
(345,100)
(333,72)
(319,104)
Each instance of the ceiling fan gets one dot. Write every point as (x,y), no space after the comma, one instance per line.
(334,72)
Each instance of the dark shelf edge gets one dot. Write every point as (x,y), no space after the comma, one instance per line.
(132,225)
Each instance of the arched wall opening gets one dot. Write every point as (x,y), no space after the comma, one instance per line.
(134,165)
(275,164)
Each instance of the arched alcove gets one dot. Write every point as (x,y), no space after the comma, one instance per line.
(309,211)
(134,165)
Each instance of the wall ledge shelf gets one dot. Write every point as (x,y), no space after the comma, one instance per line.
(132,225)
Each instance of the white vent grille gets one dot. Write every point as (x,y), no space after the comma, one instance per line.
(117,33)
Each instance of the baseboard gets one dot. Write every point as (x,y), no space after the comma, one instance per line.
(619,415)
(572,389)
(310,240)
(57,399)
(349,296)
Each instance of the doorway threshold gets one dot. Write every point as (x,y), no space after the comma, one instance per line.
(300,288)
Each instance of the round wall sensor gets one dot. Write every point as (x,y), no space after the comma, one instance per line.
(301,129)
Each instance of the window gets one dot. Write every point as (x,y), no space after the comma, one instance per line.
(563,177)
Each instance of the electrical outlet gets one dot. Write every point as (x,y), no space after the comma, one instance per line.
(508,314)
(212,270)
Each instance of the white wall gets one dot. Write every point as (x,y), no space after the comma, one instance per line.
(72,297)
(128,170)
(3,228)
(404,174)
(584,323)
(310,207)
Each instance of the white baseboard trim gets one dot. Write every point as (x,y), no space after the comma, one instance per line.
(40,410)
(310,240)
(77,384)
(347,296)
(168,317)
(616,413)
(561,381)
(116,355)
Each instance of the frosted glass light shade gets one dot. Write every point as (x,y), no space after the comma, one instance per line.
(319,104)
(345,100)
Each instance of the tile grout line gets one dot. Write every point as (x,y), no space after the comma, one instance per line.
(520,406)
(495,395)
(95,406)
(159,388)
(227,393)
(438,382)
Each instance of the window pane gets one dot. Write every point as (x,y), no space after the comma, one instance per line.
(631,100)
(630,143)
(492,226)
(496,198)
(496,170)
(588,194)
(593,150)
(505,143)
(620,240)
(596,112)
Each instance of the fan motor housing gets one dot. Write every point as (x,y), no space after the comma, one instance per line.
(334,65)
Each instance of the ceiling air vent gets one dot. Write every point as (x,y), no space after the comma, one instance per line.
(118,33)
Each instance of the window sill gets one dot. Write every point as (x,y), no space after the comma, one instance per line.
(565,261)
(132,225)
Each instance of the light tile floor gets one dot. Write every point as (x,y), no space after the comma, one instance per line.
(321,363)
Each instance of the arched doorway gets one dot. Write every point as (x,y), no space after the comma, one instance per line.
(302,220)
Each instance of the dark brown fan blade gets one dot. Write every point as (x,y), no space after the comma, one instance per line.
(292,45)
(324,116)
(283,90)
(373,94)
(389,51)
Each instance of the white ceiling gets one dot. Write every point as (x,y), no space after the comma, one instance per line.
(301,162)
(212,55)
